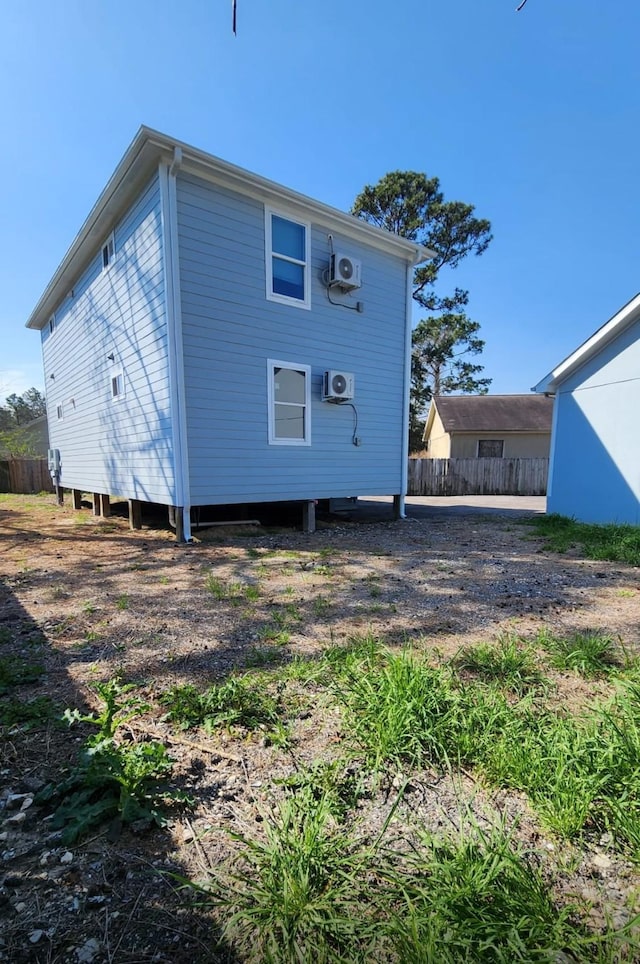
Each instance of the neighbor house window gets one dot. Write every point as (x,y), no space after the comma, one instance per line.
(289,399)
(117,384)
(108,252)
(490,448)
(287,259)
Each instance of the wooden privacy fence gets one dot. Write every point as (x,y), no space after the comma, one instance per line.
(478,476)
(25,476)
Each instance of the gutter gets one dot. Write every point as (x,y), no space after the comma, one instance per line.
(167,177)
(404,479)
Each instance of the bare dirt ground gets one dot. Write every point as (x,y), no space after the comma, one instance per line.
(87,600)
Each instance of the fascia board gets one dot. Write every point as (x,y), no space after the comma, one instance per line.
(589,348)
(142,156)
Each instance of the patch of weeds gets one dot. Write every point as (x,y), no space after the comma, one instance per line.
(138,567)
(122,602)
(586,653)
(27,714)
(366,650)
(14,672)
(236,702)
(322,570)
(233,592)
(88,607)
(338,782)
(275,635)
(121,782)
(163,580)
(508,663)
(259,656)
(321,606)
(626,593)
(293,900)
(279,735)
(613,543)
(479,899)
(310,890)
(91,635)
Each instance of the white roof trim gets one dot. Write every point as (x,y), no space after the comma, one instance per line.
(146,151)
(591,347)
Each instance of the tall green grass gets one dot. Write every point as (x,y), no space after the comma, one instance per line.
(577,770)
(614,543)
(312,889)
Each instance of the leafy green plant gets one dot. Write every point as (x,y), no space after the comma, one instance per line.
(15,672)
(507,662)
(123,782)
(233,703)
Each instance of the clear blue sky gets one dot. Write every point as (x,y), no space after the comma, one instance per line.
(531,116)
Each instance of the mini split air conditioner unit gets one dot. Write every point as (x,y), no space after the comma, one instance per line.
(338,386)
(344,272)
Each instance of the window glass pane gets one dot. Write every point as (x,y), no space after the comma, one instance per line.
(490,448)
(288,279)
(289,385)
(289,421)
(287,238)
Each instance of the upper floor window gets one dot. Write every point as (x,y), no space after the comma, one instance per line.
(108,251)
(289,398)
(287,257)
(117,384)
(52,324)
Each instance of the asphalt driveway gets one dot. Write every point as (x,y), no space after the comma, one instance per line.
(421,507)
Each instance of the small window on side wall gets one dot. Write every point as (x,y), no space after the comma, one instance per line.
(117,385)
(289,400)
(59,412)
(108,252)
(490,448)
(287,259)
(52,324)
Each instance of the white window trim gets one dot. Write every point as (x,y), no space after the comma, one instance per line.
(117,373)
(269,254)
(111,240)
(272,364)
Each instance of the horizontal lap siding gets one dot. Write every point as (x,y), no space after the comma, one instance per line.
(595,473)
(230,330)
(121,447)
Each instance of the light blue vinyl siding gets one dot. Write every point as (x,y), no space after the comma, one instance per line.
(595,474)
(230,329)
(121,447)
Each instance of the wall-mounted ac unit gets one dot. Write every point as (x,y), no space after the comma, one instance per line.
(338,386)
(344,272)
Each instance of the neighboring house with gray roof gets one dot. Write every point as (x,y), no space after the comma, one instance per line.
(594,473)
(488,426)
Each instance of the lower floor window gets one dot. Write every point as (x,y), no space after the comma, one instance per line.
(289,399)
(490,448)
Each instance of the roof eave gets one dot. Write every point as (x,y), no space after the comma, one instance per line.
(139,160)
(591,347)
